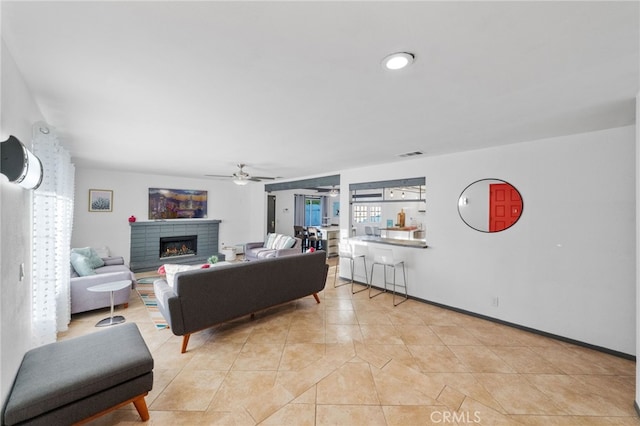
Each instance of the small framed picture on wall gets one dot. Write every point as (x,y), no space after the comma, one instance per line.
(100,200)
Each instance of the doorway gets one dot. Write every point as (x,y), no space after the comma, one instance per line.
(271,214)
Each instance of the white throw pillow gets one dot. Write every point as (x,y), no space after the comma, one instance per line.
(271,238)
(284,242)
(102,251)
(172,269)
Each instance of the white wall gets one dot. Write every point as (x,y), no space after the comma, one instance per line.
(567,267)
(241,208)
(285,210)
(19,112)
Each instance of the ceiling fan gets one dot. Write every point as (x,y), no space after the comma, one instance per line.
(333,192)
(242,178)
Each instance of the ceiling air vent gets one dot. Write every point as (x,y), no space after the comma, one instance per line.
(410,154)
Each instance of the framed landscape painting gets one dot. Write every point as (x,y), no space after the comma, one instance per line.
(177,204)
(100,200)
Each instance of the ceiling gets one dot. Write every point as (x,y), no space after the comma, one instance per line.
(296,89)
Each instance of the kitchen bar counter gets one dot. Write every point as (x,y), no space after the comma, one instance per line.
(403,233)
(391,241)
(330,237)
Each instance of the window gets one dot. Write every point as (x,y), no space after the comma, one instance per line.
(312,215)
(359,213)
(375,213)
(377,204)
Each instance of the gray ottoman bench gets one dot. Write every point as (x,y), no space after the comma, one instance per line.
(79,379)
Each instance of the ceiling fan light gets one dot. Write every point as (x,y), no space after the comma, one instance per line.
(333,193)
(240,181)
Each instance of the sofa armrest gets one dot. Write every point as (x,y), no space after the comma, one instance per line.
(91,280)
(296,249)
(113,260)
(169,306)
(84,300)
(249,246)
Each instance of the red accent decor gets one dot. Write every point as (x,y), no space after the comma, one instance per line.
(505,206)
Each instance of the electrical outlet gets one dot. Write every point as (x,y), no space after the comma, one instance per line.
(495,302)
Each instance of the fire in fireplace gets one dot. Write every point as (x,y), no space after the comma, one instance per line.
(178,246)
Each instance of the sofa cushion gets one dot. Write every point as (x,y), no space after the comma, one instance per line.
(82,264)
(278,242)
(265,253)
(284,242)
(271,238)
(95,260)
(113,260)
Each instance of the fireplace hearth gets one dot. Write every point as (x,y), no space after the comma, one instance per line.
(186,245)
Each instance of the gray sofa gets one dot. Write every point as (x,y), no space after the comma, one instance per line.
(257,250)
(114,269)
(202,298)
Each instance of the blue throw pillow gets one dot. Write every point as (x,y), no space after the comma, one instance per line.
(94,260)
(81,264)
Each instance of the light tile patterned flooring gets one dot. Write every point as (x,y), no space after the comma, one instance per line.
(354,361)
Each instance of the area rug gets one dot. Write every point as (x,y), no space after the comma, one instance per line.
(145,290)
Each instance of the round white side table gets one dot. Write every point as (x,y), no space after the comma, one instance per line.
(110,287)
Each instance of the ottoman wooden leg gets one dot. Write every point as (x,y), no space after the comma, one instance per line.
(141,406)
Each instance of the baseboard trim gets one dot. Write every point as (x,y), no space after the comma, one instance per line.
(524,328)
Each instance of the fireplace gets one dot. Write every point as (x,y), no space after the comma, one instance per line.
(186,245)
(145,242)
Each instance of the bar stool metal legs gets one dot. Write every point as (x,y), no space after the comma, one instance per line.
(346,251)
(384,257)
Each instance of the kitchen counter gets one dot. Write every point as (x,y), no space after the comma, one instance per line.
(330,237)
(412,233)
(391,241)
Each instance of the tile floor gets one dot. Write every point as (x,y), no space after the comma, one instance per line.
(355,361)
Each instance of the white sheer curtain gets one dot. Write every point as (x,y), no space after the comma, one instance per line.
(52,223)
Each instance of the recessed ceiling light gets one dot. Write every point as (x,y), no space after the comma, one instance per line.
(397,61)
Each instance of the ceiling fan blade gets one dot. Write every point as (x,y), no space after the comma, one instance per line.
(240,174)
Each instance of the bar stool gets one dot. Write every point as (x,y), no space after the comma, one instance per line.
(301,232)
(348,251)
(385,258)
(315,238)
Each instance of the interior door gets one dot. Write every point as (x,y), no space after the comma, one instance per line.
(505,205)
(271,214)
